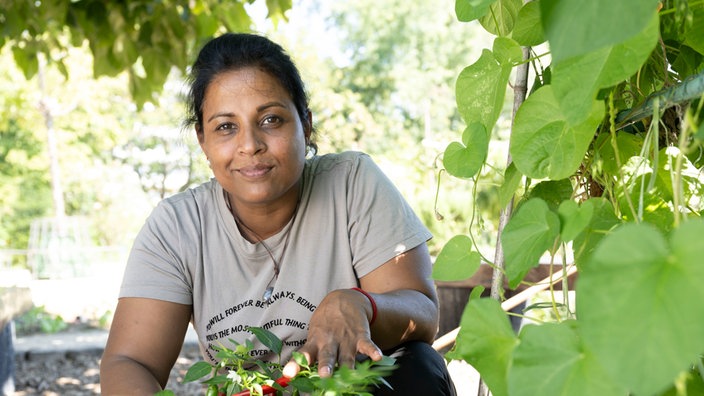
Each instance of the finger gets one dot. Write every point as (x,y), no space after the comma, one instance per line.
(326,361)
(347,358)
(370,349)
(292,368)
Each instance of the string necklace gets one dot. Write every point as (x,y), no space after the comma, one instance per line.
(277,264)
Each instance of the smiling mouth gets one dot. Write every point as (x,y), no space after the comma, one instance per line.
(254,171)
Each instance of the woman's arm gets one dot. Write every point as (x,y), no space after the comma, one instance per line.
(407,309)
(145,340)
(407,304)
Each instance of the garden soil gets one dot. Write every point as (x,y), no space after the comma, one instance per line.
(68,363)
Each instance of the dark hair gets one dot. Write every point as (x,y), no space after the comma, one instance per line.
(233,51)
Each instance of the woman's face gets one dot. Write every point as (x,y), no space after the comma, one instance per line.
(253,137)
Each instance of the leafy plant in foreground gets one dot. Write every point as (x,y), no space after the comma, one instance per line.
(237,374)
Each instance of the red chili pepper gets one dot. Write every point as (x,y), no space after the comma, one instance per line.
(266,389)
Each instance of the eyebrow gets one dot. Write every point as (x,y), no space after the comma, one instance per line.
(259,109)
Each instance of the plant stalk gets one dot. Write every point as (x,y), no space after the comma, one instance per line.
(520,89)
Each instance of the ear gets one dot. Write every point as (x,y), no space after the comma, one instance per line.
(199,134)
(308,126)
(201,138)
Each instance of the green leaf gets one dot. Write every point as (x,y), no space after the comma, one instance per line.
(512,179)
(277,10)
(602,220)
(234,16)
(465,160)
(694,36)
(303,384)
(507,51)
(476,292)
(206,24)
(651,206)
(385,361)
(197,371)
(501,17)
(544,144)
(480,90)
(638,304)
(26,59)
(529,29)
(628,145)
(577,27)
(577,80)
(531,231)
(456,260)
(486,341)
(553,192)
(550,360)
(269,339)
(574,218)
(469,10)
(300,359)
(692,382)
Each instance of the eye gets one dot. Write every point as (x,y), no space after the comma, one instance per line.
(271,120)
(226,127)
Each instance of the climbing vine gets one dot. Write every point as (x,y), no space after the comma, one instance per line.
(606,167)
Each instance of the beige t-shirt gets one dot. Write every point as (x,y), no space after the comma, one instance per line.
(351,219)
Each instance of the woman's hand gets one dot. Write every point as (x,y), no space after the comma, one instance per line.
(407,310)
(339,330)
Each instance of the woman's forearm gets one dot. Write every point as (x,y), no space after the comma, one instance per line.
(124,376)
(404,315)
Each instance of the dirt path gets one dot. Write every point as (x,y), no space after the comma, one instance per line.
(77,373)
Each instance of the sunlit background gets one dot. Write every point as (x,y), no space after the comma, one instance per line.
(381,79)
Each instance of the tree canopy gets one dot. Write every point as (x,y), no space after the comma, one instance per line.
(146,38)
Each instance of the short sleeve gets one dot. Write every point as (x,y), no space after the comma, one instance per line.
(381,223)
(156,266)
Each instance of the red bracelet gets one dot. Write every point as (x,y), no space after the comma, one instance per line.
(371,300)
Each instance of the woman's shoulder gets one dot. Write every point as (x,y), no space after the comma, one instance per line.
(344,159)
(192,197)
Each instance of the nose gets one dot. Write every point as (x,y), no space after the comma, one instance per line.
(250,140)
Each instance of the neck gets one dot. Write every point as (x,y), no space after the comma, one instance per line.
(257,223)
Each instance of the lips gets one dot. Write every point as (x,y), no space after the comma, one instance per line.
(254,171)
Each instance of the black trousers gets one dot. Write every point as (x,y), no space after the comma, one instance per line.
(421,371)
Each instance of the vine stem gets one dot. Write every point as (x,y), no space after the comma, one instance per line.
(520,89)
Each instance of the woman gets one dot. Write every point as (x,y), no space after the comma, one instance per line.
(322,251)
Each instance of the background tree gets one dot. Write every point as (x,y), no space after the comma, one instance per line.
(133,46)
(381,77)
(144,38)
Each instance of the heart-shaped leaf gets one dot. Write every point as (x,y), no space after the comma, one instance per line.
(465,160)
(576,27)
(469,10)
(531,231)
(603,220)
(480,90)
(501,17)
(577,80)
(486,341)
(543,143)
(456,260)
(574,218)
(550,360)
(529,29)
(639,304)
